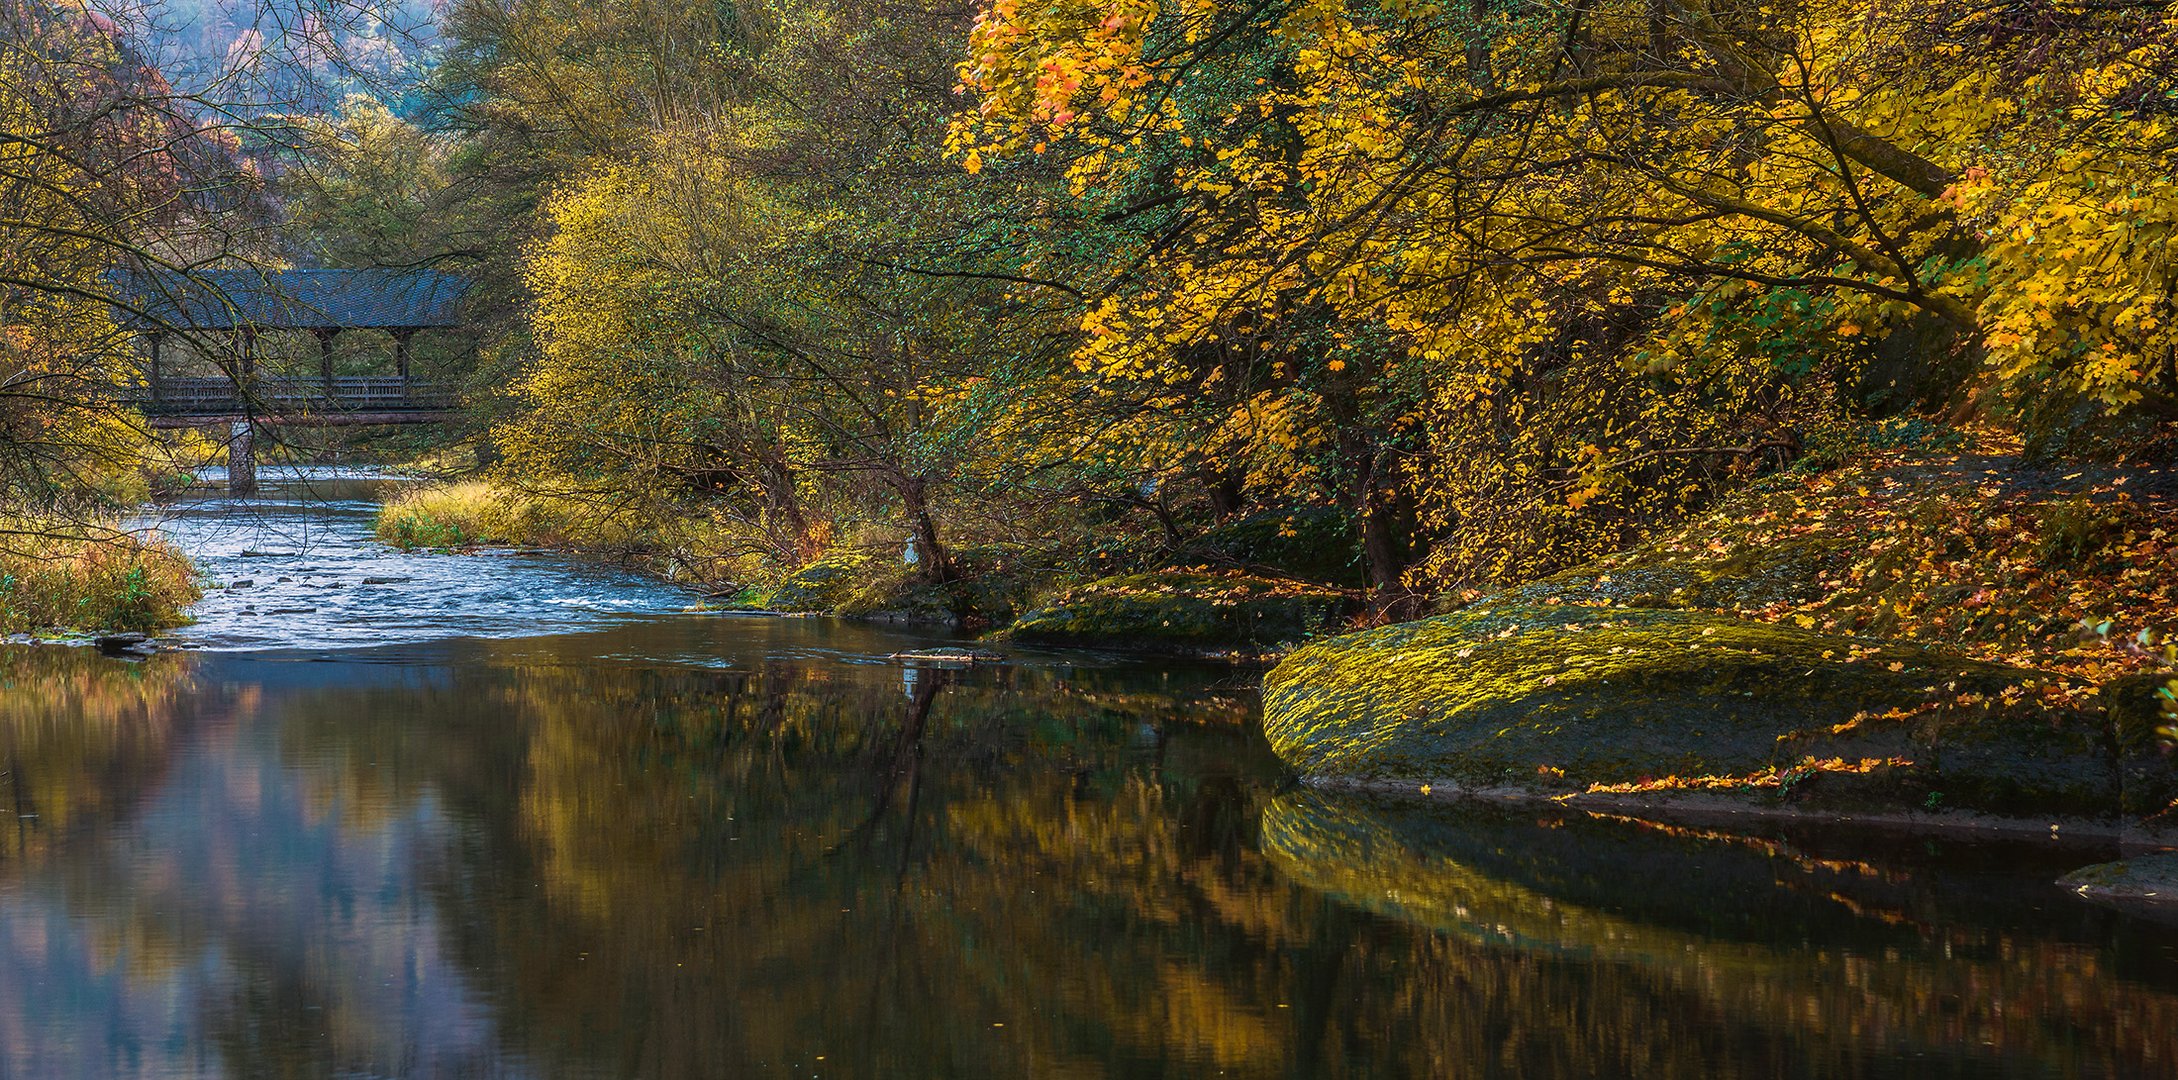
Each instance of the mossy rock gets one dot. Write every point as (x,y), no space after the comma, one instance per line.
(989,589)
(822,585)
(1568,697)
(1186,611)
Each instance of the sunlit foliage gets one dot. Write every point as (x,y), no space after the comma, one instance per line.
(1624,251)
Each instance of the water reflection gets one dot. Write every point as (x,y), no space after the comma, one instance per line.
(694,847)
(77,733)
(1764,955)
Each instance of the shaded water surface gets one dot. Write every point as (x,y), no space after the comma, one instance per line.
(686,846)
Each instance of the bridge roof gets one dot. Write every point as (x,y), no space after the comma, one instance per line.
(369,299)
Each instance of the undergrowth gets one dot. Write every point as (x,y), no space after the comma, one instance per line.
(71,576)
(476,513)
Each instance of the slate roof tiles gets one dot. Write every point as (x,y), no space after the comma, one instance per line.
(369,299)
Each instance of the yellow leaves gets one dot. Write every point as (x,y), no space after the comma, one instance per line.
(2074,296)
(1319,190)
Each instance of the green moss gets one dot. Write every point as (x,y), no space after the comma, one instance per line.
(822,585)
(1510,692)
(1181,610)
(989,588)
(902,598)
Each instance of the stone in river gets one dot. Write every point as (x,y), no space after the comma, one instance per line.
(2147,884)
(125,644)
(1655,706)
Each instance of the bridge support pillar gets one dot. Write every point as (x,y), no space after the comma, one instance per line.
(242,460)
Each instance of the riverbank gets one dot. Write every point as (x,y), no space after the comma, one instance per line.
(1243,607)
(90,577)
(1912,634)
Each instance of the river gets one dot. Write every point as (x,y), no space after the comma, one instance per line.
(514,816)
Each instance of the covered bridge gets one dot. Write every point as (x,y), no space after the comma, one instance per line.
(235,307)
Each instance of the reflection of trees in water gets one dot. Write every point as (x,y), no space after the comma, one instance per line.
(246,916)
(976,877)
(530,864)
(1575,947)
(81,737)
(773,866)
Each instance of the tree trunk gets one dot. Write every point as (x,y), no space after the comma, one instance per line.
(937,563)
(1227,493)
(783,512)
(1385,522)
(242,460)
(1383,530)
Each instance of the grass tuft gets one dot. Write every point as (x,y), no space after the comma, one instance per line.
(474,513)
(77,577)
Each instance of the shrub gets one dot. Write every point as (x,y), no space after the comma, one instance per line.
(82,577)
(472,513)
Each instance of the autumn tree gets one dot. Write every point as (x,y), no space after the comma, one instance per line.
(1626,251)
(101,167)
(767,293)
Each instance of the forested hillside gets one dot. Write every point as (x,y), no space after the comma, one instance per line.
(1471,293)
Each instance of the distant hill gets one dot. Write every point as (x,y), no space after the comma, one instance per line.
(290,55)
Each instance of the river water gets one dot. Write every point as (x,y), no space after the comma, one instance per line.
(516,817)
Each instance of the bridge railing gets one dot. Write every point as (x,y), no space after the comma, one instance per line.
(194,396)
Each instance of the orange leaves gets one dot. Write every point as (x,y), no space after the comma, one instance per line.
(1037,67)
(1771,777)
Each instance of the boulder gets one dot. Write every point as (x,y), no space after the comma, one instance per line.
(821,585)
(1571,700)
(2146,885)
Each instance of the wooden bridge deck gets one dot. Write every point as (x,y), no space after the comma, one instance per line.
(342,400)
